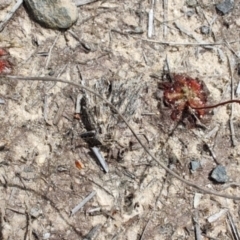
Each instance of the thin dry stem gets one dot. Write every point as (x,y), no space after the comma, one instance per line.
(218,104)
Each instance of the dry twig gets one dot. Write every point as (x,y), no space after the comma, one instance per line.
(50,50)
(189,183)
(184,44)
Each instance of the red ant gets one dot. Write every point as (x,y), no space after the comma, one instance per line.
(187,95)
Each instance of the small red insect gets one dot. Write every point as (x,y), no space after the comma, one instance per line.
(184,93)
(5,65)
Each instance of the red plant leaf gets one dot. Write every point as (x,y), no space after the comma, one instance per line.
(185,92)
(5,66)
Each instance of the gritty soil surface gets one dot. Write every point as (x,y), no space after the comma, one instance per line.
(108,49)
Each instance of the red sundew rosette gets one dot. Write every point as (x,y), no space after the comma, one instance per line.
(185,92)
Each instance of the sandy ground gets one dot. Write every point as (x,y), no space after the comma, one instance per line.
(109,50)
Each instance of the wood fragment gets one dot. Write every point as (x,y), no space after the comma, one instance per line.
(150,21)
(78,103)
(165,18)
(197,198)
(96,209)
(82,203)
(10,14)
(100,159)
(238,89)
(59,114)
(220,55)
(216,216)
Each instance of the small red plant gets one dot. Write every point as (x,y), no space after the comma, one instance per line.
(184,93)
(5,65)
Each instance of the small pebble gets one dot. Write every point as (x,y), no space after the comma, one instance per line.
(46,235)
(219,174)
(205,30)
(36,212)
(190,13)
(225,6)
(195,165)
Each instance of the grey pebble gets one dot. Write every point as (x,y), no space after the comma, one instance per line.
(57,14)
(195,165)
(46,235)
(36,212)
(205,30)
(225,6)
(190,13)
(219,174)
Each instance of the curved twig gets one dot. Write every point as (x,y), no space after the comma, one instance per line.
(191,184)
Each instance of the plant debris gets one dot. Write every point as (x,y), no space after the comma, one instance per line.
(184,93)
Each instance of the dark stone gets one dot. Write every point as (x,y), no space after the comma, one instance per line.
(56,14)
(219,174)
(225,6)
(195,165)
(190,13)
